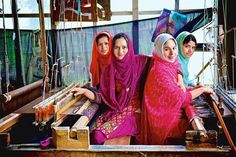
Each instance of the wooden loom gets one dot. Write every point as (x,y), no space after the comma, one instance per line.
(62,116)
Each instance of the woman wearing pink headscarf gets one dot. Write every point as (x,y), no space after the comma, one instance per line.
(163,99)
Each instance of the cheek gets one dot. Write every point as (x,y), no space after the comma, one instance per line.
(115,53)
(184,50)
(125,52)
(176,52)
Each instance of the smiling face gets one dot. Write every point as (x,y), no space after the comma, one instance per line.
(103,45)
(188,49)
(120,48)
(170,50)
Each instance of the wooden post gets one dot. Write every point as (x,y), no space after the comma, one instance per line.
(18,50)
(43,37)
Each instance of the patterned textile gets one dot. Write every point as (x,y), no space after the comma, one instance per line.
(169,22)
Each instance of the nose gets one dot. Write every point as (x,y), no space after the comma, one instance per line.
(190,50)
(120,51)
(103,46)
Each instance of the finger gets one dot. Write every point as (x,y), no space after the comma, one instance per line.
(76,94)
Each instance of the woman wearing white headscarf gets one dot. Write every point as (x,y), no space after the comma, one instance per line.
(163,99)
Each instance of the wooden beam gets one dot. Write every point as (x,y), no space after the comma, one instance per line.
(43,37)
(20,75)
(8,121)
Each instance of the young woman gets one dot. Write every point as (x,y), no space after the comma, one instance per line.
(187,44)
(163,99)
(101,55)
(119,91)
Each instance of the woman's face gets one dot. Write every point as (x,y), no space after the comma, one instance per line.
(170,50)
(188,49)
(103,45)
(120,48)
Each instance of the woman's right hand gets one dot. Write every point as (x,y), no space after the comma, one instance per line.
(78,91)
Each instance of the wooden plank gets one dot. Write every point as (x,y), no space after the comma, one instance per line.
(81,123)
(66,103)
(8,121)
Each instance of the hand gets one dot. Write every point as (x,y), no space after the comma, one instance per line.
(78,91)
(208,90)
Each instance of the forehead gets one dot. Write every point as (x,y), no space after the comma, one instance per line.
(103,38)
(192,43)
(169,42)
(120,41)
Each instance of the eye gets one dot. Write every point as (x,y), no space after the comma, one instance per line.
(166,49)
(116,47)
(124,47)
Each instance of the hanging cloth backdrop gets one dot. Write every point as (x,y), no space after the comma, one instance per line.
(75,49)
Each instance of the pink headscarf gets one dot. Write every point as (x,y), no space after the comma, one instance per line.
(162,97)
(126,71)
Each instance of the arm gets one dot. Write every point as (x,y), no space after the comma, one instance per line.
(180,81)
(198,91)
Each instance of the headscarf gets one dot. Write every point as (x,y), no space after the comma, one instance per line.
(99,61)
(162,97)
(182,59)
(126,71)
(158,43)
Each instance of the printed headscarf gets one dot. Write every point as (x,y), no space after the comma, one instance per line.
(99,61)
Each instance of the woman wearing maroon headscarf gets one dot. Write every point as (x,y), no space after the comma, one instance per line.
(163,100)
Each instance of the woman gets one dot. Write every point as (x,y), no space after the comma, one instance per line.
(163,99)
(119,90)
(101,55)
(187,44)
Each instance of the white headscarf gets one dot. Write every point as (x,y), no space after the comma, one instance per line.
(159,43)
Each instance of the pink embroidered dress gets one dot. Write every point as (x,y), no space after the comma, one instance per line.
(119,86)
(163,100)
